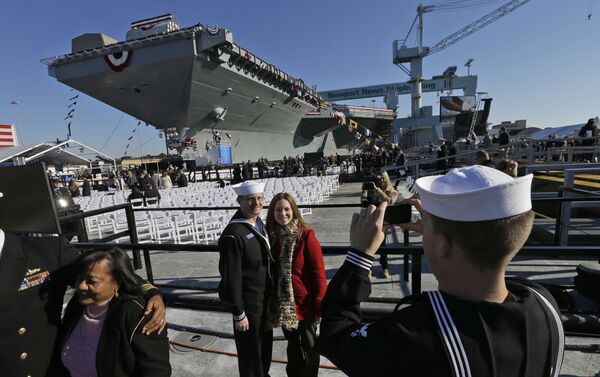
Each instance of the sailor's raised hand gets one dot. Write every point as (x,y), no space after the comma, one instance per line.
(366,230)
(417,226)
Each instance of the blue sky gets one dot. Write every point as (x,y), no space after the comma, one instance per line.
(539,63)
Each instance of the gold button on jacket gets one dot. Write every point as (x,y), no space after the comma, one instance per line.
(23,355)
(22,330)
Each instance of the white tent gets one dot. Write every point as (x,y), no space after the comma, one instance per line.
(58,153)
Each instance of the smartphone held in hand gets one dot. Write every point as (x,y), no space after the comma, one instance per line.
(397,214)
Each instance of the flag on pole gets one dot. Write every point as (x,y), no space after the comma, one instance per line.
(8,135)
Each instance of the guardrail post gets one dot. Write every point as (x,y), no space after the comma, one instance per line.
(133,238)
(416,273)
(530,155)
(148,265)
(82,234)
(557,224)
(406,257)
(565,210)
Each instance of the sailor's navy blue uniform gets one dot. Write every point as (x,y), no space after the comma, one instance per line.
(438,334)
(246,284)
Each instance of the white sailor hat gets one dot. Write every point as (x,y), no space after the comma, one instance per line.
(248,188)
(475,193)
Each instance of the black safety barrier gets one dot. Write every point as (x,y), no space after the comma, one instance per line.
(590,196)
(131,227)
(405,250)
(416,252)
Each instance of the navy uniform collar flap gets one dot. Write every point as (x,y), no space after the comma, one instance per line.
(252,228)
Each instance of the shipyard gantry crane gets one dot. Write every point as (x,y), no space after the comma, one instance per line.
(414,56)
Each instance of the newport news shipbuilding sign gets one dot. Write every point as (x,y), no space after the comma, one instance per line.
(467,83)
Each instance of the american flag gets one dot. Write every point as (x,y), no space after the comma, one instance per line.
(8,135)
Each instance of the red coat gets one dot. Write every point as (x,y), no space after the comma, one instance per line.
(308,275)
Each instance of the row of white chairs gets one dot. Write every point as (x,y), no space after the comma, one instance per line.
(307,190)
(164,227)
(183,226)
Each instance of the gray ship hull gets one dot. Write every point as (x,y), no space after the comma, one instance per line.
(197,82)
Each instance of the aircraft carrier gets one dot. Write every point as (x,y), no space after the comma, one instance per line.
(198,81)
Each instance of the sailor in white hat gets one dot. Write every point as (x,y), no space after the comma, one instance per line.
(248,188)
(246,283)
(474,220)
(475,193)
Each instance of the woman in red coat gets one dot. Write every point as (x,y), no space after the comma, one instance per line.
(301,285)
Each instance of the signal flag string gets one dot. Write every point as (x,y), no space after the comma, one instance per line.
(131,137)
(72,106)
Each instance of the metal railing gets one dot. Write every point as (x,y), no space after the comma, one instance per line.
(531,150)
(121,46)
(414,252)
(409,252)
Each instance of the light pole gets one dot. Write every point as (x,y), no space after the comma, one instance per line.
(16,107)
(468,65)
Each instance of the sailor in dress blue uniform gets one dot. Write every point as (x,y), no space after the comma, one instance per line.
(474,220)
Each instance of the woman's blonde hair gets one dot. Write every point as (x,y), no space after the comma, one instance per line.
(386,179)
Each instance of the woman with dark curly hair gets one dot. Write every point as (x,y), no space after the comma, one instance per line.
(101,333)
(301,285)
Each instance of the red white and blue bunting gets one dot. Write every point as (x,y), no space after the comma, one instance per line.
(119,60)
